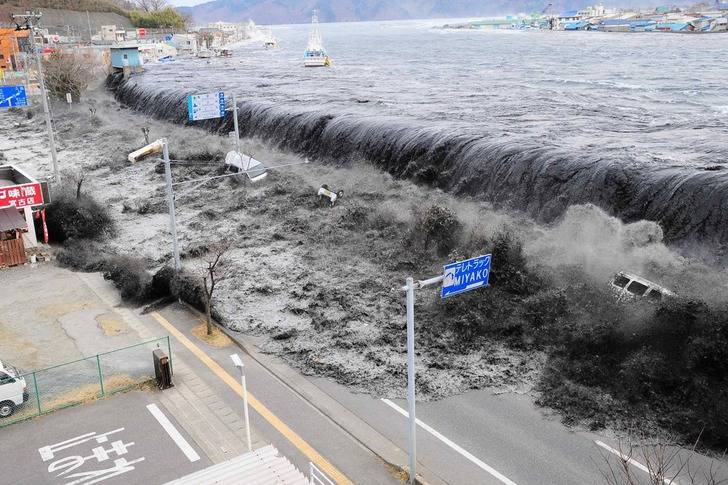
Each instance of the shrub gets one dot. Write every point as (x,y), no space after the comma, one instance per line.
(439,226)
(130,276)
(69,217)
(68,72)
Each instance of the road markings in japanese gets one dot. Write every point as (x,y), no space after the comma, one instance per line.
(62,467)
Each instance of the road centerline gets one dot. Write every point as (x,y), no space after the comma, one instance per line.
(173,433)
(322,463)
(466,454)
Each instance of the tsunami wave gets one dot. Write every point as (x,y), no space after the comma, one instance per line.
(690,203)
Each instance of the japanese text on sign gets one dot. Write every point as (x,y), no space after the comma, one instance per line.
(25,195)
(62,467)
(205,106)
(466,275)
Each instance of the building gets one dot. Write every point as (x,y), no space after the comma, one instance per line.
(12,44)
(155,51)
(185,43)
(19,195)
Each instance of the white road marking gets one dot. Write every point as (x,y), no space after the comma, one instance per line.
(186,448)
(452,445)
(635,463)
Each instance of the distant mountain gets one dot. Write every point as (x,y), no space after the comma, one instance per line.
(299,11)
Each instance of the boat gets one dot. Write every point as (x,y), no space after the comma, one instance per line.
(315,55)
(270,42)
(204,54)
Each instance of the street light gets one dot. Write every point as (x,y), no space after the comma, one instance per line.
(241,367)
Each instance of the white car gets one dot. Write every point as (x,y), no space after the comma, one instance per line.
(13,391)
(627,285)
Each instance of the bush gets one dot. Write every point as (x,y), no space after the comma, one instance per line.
(69,217)
(130,276)
(439,226)
(67,72)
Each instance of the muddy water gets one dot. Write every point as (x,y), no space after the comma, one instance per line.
(532,120)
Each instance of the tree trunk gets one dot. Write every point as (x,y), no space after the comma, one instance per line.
(209,317)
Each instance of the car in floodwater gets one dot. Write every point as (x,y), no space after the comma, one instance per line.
(629,286)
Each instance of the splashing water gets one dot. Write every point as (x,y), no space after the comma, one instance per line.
(532,121)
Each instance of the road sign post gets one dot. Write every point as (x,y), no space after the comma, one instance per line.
(457,278)
(170,204)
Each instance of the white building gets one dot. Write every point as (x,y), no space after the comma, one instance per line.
(185,43)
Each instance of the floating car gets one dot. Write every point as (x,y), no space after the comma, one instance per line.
(627,285)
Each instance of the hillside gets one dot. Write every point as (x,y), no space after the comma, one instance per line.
(298,11)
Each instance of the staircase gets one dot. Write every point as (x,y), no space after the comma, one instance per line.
(263,466)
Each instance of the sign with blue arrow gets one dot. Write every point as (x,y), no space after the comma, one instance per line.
(13,97)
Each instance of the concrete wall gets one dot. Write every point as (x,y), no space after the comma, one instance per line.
(62,21)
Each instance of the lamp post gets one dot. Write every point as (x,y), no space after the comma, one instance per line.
(241,367)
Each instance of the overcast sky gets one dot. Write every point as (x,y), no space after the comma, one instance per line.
(186,3)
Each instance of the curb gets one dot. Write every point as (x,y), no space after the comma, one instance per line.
(335,412)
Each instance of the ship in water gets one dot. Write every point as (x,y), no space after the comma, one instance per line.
(270,41)
(315,55)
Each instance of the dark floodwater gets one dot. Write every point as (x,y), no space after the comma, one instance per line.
(531,120)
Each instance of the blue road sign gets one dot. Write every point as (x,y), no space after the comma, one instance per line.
(466,275)
(205,106)
(13,96)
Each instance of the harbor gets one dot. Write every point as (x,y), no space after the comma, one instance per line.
(702,18)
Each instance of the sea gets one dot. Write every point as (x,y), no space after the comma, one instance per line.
(636,123)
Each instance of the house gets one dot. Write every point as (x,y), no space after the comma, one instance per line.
(108,33)
(126,59)
(19,195)
(185,43)
(12,44)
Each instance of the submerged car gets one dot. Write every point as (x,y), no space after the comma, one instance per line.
(627,285)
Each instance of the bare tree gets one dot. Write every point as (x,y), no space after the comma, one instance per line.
(76,176)
(214,271)
(663,462)
(67,72)
(150,5)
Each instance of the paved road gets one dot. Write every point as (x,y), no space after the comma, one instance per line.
(128,438)
(357,463)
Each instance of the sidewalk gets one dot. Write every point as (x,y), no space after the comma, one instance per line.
(216,427)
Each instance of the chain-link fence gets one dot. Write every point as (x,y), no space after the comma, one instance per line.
(82,380)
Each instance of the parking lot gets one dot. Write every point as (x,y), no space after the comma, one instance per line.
(96,443)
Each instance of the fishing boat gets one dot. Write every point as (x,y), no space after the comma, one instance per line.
(270,41)
(315,55)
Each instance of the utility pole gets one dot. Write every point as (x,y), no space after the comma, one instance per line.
(88,21)
(235,122)
(28,18)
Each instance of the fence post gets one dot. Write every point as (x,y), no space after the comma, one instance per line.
(169,354)
(37,392)
(101,377)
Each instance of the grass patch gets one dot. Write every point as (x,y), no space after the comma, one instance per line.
(217,339)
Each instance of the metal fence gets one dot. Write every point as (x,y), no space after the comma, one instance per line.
(86,379)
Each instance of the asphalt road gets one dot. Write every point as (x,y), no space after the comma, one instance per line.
(112,441)
(357,463)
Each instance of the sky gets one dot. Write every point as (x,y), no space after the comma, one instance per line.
(186,3)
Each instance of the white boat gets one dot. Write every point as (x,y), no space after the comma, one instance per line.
(204,54)
(315,55)
(270,42)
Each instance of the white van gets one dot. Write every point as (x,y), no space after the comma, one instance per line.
(627,285)
(13,391)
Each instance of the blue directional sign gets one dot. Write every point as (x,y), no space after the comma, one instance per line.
(13,96)
(466,275)
(205,106)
